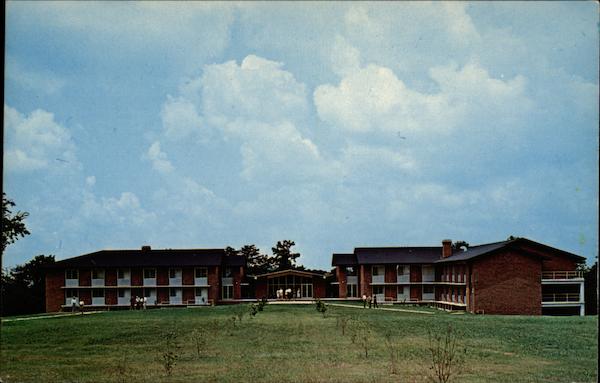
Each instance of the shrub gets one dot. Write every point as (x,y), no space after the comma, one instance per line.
(447,357)
(199,339)
(393,352)
(320,306)
(342,323)
(170,351)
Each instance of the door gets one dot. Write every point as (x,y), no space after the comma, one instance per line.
(201,295)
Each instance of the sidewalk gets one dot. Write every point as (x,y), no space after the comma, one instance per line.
(50,316)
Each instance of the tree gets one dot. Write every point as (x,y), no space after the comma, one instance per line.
(284,258)
(230,251)
(591,289)
(458,245)
(256,262)
(24,287)
(13,226)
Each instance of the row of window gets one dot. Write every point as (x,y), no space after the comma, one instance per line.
(149,273)
(174,293)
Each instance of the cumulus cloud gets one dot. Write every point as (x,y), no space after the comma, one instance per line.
(42,81)
(36,142)
(90,181)
(124,210)
(159,159)
(180,118)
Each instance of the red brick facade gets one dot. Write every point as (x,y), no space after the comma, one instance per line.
(507,283)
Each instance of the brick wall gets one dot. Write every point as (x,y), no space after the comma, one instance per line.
(318,287)
(110,296)
(340,273)
(110,277)
(214,280)
(85,277)
(508,282)
(55,296)
(415,273)
(136,277)
(162,295)
(237,283)
(187,276)
(162,276)
(365,280)
(189,294)
(261,288)
(558,263)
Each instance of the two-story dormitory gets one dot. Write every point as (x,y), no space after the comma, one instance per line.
(517,276)
(110,278)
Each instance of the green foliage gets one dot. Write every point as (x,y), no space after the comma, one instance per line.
(342,323)
(393,349)
(256,263)
(253,309)
(200,340)
(169,351)
(320,306)
(447,356)
(23,288)
(362,335)
(13,226)
(262,303)
(284,258)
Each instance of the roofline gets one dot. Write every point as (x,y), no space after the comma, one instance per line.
(272,273)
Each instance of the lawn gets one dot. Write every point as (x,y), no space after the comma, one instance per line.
(287,343)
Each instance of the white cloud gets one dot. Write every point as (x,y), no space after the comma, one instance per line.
(159,159)
(90,181)
(180,118)
(42,81)
(125,210)
(36,142)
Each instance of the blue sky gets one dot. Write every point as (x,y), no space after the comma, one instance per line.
(332,124)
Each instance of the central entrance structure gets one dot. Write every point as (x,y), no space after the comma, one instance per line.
(299,284)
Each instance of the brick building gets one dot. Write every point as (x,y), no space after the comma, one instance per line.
(517,276)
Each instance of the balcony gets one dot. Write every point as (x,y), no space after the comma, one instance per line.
(149,281)
(558,275)
(378,280)
(352,280)
(403,278)
(560,297)
(202,281)
(124,282)
(71,282)
(175,281)
(227,281)
(97,281)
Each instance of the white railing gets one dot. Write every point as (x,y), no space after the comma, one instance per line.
(98,282)
(562,274)
(428,297)
(404,278)
(227,281)
(352,280)
(71,282)
(175,281)
(561,297)
(149,281)
(378,279)
(98,301)
(123,282)
(201,281)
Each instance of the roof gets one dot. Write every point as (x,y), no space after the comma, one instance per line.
(291,272)
(395,255)
(489,248)
(165,257)
(339,259)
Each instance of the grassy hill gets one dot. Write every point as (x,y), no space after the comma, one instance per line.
(292,344)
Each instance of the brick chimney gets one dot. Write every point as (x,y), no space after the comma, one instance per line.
(446,248)
(146,248)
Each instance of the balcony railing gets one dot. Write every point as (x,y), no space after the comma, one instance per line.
(227,281)
(561,297)
(352,280)
(562,274)
(378,279)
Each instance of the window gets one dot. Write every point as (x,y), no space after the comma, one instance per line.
(97,274)
(201,272)
(226,272)
(174,273)
(377,290)
(375,270)
(400,290)
(172,292)
(402,270)
(121,273)
(149,273)
(121,293)
(351,291)
(97,293)
(70,293)
(148,293)
(72,274)
(227,292)
(427,289)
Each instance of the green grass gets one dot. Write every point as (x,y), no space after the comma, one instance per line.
(292,344)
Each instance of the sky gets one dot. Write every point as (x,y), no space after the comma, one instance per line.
(336,125)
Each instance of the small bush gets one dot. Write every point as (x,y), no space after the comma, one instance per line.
(393,350)
(169,352)
(320,306)
(447,357)
(342,323)
(199,339)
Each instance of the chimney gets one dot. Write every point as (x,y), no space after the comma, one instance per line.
(446,248)
(146,248)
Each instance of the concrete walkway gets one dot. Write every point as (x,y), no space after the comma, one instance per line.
(382,308)
(50,316)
